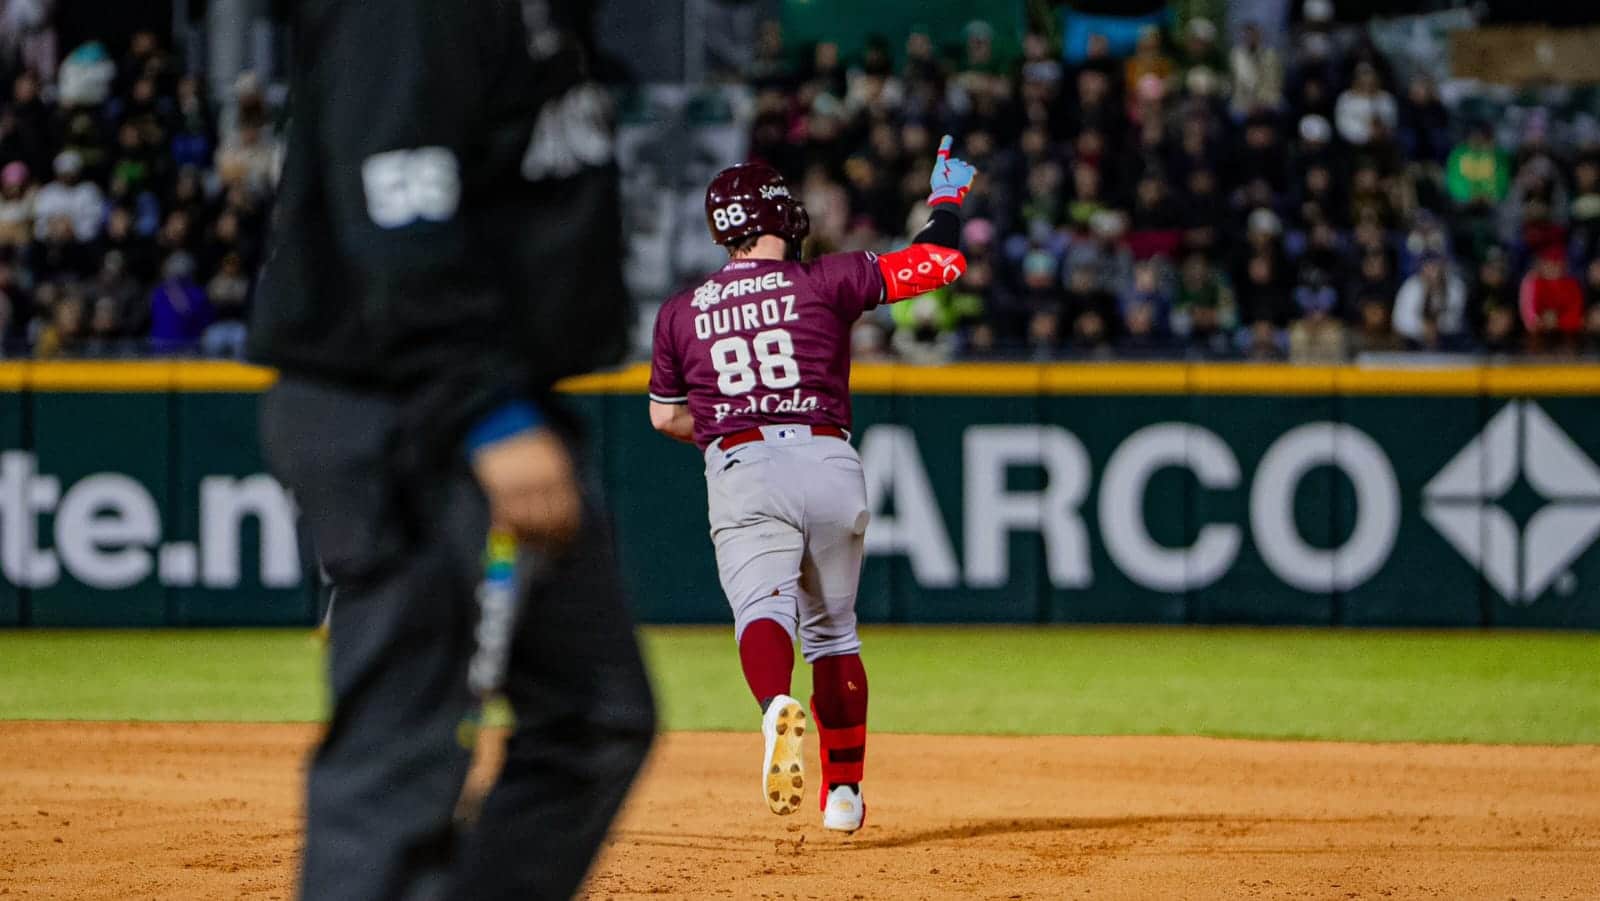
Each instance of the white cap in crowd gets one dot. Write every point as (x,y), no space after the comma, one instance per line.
(68,162)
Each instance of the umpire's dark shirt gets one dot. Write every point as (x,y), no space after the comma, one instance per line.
(447,223)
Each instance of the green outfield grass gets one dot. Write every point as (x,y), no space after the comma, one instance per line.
(1521,687)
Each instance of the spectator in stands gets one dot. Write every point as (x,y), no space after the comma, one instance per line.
(1374,276)
(1585,207)
(1146,308)
(14,304)
(85,76)
(1374,332)
(32,121)
(1088,195)
(1424,140)
(1200,50)
(980,49)
(1314,167)
(1430,311)
(929,328)
(105,337)
(1204,311)
(1096,104)
(1427,235)
(248,159)
(1312,95)
(65,333)
(1148,59)
(80,201)
(1318,335)
(17,200)
(1372,197)
(1041,297)
(1089,310)
(1263,154)
(1534,211)
(1325,253)
(1264,237)
(116,285)
(134,163)
(1424,123)
(194,137)
(1265,305)
(828,71)
(229,294)
(137,252)
(1551,303)
(1257,73)
(1478,174)
(1157,220)
(179,310)
(1204,213)
(7,318)
(1591,292)
(1365,111)
(86,142)
(828,204)
(873,87)
(59,254)
(1040,72)
(1495,304)
(922,71)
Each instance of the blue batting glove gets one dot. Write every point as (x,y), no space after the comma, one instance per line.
(952,178)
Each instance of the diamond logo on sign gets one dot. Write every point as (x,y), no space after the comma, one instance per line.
(1462,502)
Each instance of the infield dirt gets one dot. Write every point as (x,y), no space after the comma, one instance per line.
(103,810)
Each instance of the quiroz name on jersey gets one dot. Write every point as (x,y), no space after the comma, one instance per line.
(748,315)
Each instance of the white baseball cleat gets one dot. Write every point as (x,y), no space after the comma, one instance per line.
(783,770)
(845,810)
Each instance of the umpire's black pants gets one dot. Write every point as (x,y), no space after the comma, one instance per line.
(404,550)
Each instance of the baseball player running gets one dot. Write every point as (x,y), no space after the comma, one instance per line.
(753,367)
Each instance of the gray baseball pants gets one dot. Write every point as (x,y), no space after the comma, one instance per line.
(788,519)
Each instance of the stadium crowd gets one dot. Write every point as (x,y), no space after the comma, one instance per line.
(131,212)
(1198,197)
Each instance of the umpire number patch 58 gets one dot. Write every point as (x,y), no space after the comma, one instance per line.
(405,186)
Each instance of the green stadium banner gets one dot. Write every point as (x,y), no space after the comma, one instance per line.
(12,492)
(133,495)
(850,23)
(234,541)
(99,491)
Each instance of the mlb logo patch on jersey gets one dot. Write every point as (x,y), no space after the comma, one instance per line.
(787,434)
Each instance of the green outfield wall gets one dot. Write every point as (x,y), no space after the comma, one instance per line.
(132,494)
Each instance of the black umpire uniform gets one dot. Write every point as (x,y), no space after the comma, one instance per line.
(446,240)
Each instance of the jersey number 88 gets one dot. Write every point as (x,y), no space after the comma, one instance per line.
(730,216)
(774,357)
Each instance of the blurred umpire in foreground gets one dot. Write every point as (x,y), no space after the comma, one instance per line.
(446,245)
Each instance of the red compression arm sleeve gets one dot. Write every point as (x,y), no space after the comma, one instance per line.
(919,269)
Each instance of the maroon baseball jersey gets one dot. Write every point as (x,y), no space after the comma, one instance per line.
(764,342)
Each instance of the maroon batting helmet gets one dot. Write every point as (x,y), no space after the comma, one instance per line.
(753,199)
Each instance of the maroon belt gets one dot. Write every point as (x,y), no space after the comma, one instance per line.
(734,439)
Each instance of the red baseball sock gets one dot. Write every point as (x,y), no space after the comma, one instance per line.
(839,708)
(766,652)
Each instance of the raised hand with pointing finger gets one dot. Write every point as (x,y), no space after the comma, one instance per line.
(952,177)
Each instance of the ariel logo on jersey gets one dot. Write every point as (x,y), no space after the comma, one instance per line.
(793,402)
(710,294)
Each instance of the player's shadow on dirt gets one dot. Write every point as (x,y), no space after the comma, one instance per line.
(1019,826)
(970,830)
